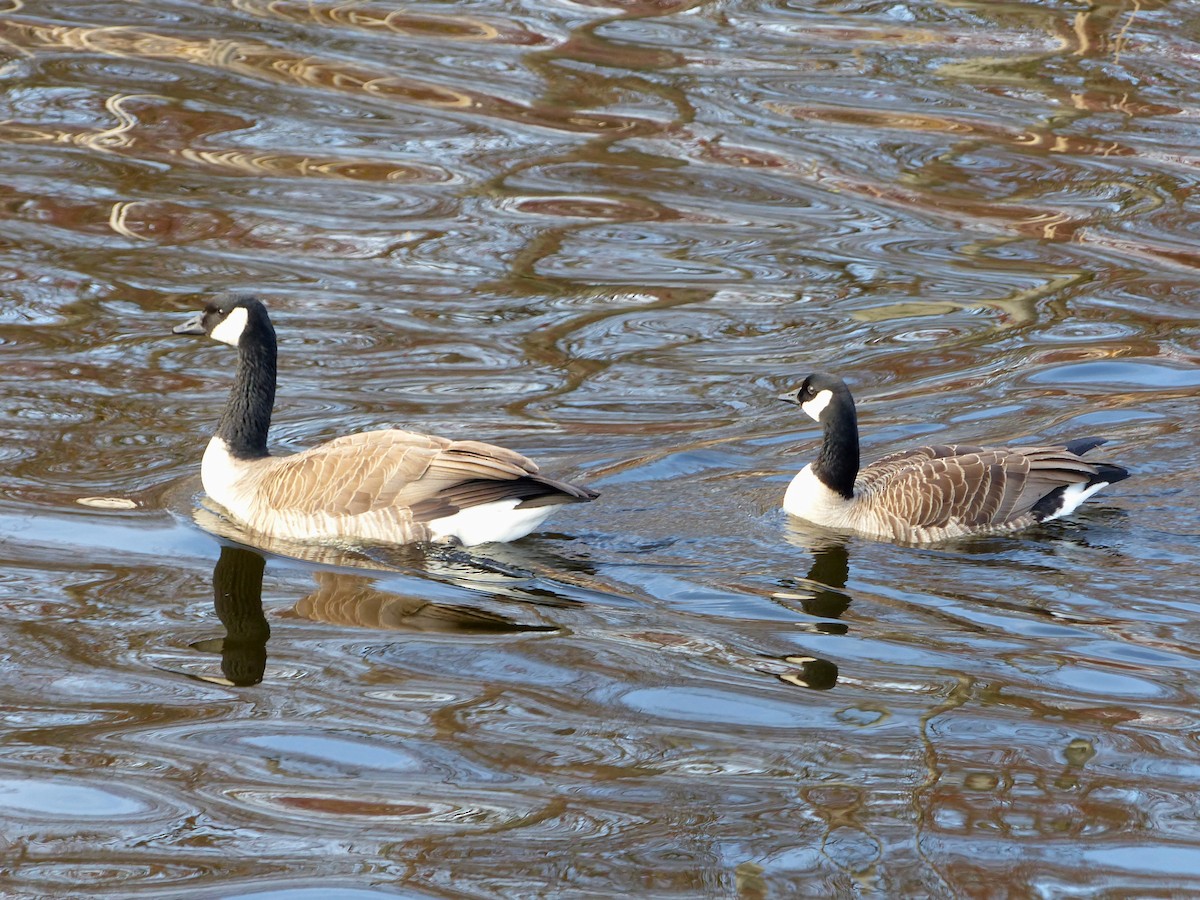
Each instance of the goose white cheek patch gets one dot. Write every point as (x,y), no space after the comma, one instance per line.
(231,327)
(813,408)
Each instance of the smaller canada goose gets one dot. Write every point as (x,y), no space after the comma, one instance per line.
(389,486)
(936,492)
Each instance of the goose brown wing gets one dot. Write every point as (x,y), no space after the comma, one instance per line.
(373,470)
(1051,468)
(972,486)
(889,466)
(469,473)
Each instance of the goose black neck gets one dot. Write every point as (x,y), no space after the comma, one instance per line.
(247,417)
(837,464)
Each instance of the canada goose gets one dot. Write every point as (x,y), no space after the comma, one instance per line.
(936,492)
(389,486)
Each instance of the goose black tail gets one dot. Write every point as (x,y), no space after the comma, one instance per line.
(1106,472)
(1109,473)
(1080,446)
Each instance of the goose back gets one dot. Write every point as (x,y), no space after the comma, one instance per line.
(948,490)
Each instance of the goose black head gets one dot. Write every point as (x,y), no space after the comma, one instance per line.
(228,318)
(816,393)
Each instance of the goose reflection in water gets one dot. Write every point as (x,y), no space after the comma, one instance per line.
(237,599)
(821,594)
(339,599)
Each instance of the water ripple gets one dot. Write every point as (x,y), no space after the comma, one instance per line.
(607,234)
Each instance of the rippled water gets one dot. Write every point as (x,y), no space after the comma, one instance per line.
(605,234)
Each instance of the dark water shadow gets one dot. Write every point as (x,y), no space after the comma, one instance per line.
(821,594)
(528,572)
(1050,552)
(340,598)
(237,600)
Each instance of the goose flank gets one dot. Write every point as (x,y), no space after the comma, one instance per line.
(935,492)
(389,486)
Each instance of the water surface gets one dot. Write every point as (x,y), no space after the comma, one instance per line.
(607,235)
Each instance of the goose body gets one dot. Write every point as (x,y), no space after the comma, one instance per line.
(935,492)
(388,486)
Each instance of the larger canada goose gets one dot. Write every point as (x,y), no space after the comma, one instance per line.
(936,492)
(389,486)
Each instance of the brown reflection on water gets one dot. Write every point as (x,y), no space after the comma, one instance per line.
(272,64)
(605,234)
(151,127)
(339,599)
(379,18)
